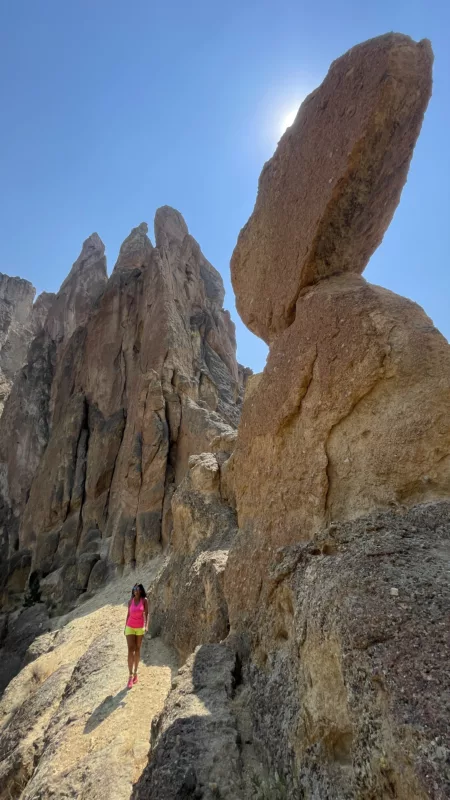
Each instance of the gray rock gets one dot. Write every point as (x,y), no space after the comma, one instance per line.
(194,741)
(350,684)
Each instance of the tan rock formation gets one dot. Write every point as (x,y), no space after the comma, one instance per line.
(27,419)
(79,292)
(195,739)
(187,603)
(363,419)
(335,586)
(135,250)
(327,196)
(350,416)
(349,678)
(16,303)
(20,322)
(141,375)
(351,412)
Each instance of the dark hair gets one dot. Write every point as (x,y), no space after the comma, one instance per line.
(141,589)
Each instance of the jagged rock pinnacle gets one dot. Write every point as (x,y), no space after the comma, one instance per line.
(169,226)
(135,250)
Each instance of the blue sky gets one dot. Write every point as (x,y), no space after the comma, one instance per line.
(111,109)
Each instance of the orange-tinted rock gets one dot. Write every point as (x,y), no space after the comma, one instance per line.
(327,196)
(350,415)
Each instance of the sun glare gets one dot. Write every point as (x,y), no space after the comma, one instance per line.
(287,120)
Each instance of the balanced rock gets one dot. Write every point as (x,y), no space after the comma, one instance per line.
(334,582)
(327,196)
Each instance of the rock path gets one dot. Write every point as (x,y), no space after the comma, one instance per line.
(69,728)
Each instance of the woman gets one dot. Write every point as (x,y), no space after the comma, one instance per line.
(136,625)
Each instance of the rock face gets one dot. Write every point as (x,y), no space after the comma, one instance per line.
(27,417)
(195,738)
(328,599)
(17,634)
(20,322)
(129,378)
(327,196)
(79,292)
(187,604)
(350,679)
(364,422)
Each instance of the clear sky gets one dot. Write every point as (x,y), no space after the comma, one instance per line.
(111,109)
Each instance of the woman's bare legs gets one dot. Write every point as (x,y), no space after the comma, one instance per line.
(137,653)
(131,642)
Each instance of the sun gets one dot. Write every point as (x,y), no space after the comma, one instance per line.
(288,119)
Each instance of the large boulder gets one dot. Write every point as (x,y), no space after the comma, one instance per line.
(327,196)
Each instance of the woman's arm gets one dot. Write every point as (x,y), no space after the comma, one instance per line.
(146,613)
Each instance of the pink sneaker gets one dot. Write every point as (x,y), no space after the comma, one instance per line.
(130,682)
(135,679)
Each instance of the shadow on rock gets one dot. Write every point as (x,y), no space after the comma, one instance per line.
(153,655)
(18,631)
(106,707)
(195,740)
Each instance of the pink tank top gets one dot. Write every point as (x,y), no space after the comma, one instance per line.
(136,614)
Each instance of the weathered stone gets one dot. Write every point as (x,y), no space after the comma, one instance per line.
(20,322)
(135,250)
(339,616)
(194,741)
(327,196)
(142,374)
(16,303)
(363,421)
(225,443)
(40,312)
(170,227)
(20,629)
(350,684)
(187,603)
(30,414)
(79,292)
(24,430)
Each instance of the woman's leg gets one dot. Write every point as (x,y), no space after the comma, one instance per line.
(131,642)
(137,653)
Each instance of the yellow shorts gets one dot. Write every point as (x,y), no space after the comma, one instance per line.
(134,631)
